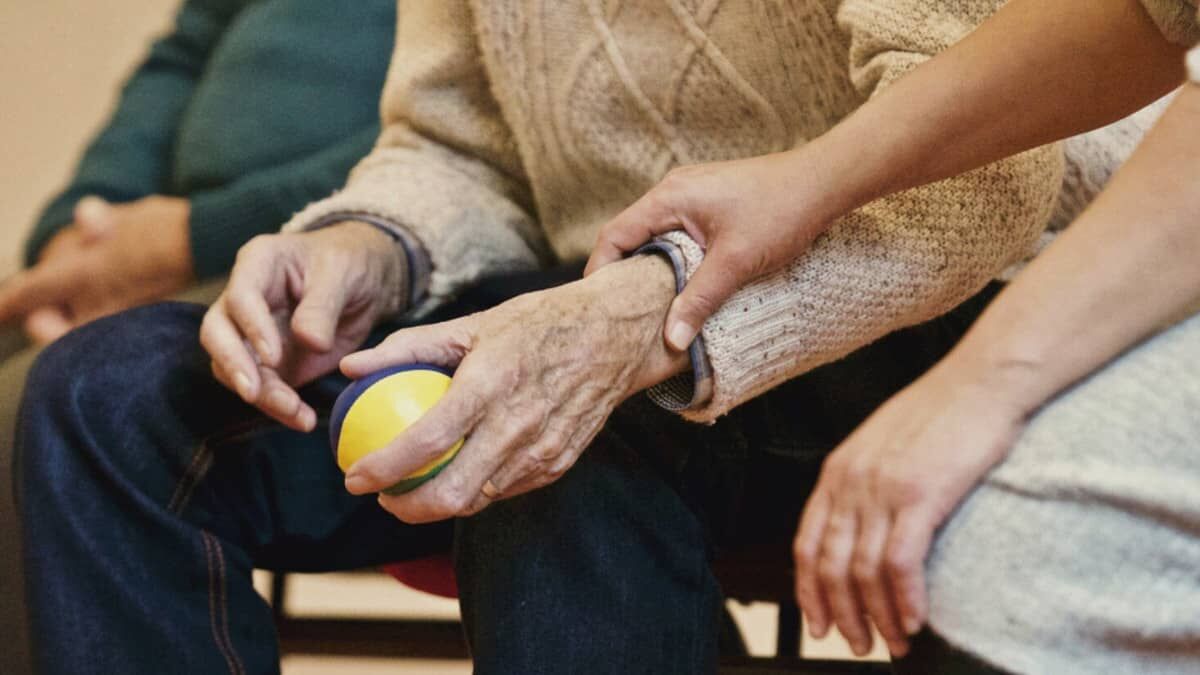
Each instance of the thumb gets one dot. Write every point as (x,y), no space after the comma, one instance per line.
(441,344)
(95,218)
(708,289)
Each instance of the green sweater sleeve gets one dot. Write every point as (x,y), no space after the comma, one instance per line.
(131,156)
(224,219)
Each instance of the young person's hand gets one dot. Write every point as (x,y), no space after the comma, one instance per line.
(752,217)
(294,306)
(867,528)
(535,380)
(112,257)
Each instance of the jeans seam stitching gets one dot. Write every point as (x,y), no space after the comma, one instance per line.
(212,603)
(225,605)
(201,460)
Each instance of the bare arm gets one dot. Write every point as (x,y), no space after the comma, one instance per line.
(1126,268)
(1034,73)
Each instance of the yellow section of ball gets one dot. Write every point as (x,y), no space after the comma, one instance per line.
(385,410)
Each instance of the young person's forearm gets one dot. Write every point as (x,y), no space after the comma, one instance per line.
(1125,269)
(1034,73)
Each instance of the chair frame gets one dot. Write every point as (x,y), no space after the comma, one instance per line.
(443,639)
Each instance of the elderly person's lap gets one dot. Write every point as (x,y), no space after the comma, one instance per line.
(608,567)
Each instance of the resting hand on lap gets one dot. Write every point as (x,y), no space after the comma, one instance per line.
(295,305)
(868,525)
(112,257)
(535,379)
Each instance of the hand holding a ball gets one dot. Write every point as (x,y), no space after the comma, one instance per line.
(534,381)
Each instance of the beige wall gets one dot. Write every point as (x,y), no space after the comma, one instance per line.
(61,62)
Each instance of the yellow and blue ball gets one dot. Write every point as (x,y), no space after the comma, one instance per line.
(374,410)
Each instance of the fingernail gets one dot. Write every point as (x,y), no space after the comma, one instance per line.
(897,649)
(680,335)
(242,384)
(912,626)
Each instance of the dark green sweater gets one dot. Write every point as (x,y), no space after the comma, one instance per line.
(249,108)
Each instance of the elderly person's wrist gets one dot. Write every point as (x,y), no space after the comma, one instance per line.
(642,288)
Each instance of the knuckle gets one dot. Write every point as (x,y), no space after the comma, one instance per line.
(829,571)
(865,571)
(834,466)
(453,498)
(899,564)
(206,330)
(859,469)
(540,455)
(904,487)
(256,247)
(557,471)
(802,555)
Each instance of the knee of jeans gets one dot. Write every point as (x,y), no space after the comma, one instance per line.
(96,381)
(108,363)
(113,351)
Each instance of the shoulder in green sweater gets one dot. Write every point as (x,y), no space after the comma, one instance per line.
(249,108)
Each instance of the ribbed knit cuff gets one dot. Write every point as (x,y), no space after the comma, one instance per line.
(221,221)
(690,389)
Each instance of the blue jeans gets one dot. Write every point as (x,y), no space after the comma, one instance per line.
(148,493)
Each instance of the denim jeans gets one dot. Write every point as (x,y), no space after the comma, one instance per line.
(148,493)
(16,358)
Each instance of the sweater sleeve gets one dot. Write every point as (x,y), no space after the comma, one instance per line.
(896,262)
(445,168)
(131,156)
(1176,18)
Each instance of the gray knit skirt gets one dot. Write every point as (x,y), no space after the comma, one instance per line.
(1081,552)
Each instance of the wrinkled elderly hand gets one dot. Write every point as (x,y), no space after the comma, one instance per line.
(752,217)
(294,306)
(535,380)
(868,525)
(112,257)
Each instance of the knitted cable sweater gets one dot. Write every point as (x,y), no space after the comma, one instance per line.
(514,130)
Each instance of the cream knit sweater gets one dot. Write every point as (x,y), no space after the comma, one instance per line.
(514,130)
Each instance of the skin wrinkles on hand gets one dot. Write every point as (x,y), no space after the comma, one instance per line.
(536,378)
